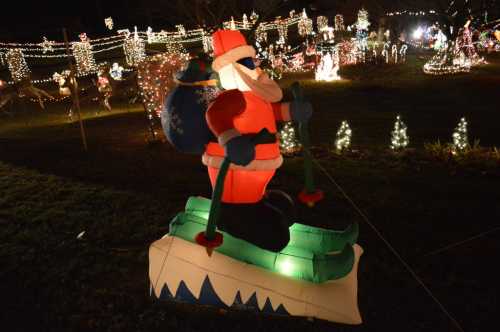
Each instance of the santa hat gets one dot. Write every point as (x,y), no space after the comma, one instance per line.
(230,46)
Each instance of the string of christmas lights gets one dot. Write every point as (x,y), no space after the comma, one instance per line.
(411,13)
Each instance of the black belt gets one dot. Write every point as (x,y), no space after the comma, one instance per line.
(271,139)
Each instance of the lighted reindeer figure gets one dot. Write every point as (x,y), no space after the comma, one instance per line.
(101,90)
(21,89)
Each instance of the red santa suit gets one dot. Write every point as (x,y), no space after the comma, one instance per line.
(235,112)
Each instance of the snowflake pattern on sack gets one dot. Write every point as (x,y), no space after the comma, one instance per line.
(206,95)
(175,121)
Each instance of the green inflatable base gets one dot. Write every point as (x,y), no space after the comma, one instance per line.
(313,254)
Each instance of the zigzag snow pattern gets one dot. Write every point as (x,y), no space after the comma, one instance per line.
(208,296)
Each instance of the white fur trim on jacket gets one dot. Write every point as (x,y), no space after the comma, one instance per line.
(255,165)
(233,55)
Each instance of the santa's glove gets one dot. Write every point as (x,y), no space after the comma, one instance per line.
(240,150)
(300,111)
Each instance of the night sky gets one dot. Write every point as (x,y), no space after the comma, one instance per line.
(30,20)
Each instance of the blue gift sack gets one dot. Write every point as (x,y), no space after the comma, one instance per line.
(183,118)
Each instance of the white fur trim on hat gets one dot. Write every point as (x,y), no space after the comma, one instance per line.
(233,55)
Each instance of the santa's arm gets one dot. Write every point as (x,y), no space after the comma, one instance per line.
(221,113)
(298,111)
(281,112)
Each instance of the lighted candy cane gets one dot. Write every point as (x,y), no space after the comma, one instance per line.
(385,52)
(402,52)
(395,53)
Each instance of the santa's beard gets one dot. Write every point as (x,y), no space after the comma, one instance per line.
(236,76)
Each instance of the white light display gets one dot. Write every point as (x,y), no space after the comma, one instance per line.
(282,32)
(394,53)
(362,23)
(82,51)
(402,52)
(245,22)
(47,45)
(288,139)
(207,43)
(418,33)
(343,138)
(116,72)
(465,46)
(460,139)
(399,137)
(339,23)
(109,23)
(328,67)
(305,25)
(135,50)
(445,62)
(18,67)
(181,30)
(322,23)
(254,17)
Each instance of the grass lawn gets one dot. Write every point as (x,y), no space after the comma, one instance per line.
(75,226)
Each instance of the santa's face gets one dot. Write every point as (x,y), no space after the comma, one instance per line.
(231,75)
(244,76)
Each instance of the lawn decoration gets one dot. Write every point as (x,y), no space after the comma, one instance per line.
(362,25)
(18,67)
(289,143)
(466,49)
(108,21)
(155,79)
(104,85)
(22,89)
(328,67)
(84,57)
(399,138)
(63,81)
(305,25)
(445,62)
(116,72)
(339,22)
(343,137)
(460,139)
(183,116)
(259,259)
(134,49)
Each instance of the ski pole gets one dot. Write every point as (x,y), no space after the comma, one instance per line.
(310,195)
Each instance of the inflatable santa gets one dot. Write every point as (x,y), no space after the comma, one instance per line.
(249,104)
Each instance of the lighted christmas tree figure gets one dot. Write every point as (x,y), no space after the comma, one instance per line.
(288,139)
(460,139)
(399,138)
(465,47)
(343,140)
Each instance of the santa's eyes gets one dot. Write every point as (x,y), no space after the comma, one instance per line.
(247,62)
